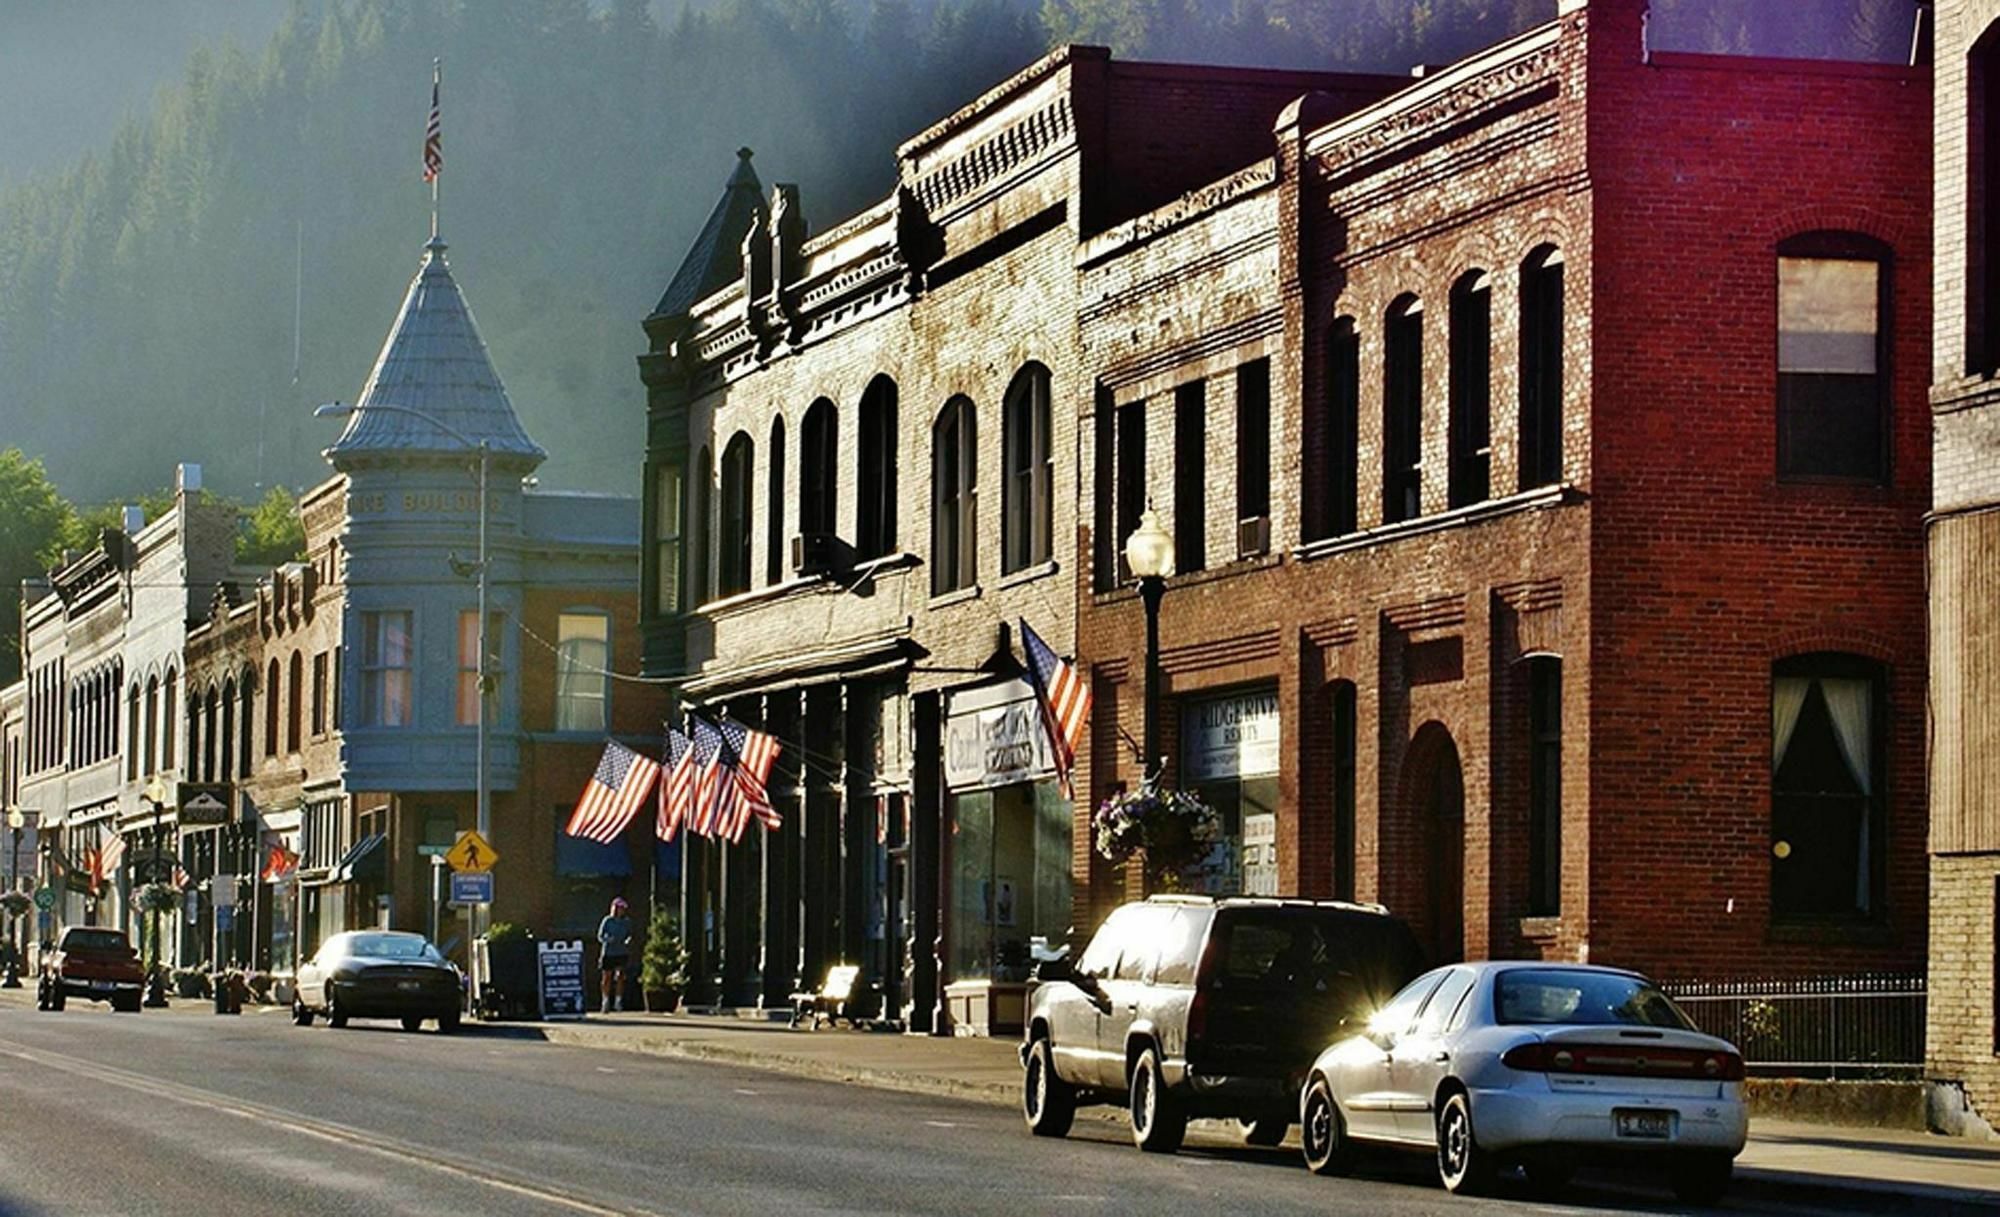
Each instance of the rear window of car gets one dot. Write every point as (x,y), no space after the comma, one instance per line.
(1564,996)
(1315,948)
(389,946)
(94,940)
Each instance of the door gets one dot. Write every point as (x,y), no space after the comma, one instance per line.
(1445,813)
(1139,940)
(1364,1083)
(1422,1059)
(1073,1008)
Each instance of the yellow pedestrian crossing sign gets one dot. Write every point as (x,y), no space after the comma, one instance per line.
(472,852)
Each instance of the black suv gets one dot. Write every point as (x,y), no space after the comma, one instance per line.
(1186,1006)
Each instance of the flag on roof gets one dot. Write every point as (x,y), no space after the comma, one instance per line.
(434,129)
(676,785)
(1064,697)
(613,795)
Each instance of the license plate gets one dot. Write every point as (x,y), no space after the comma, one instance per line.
(409,985)
(1645,1125)
(100,984)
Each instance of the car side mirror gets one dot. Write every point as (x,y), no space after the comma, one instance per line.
(1049,970)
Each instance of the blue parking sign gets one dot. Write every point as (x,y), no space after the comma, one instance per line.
(472,887)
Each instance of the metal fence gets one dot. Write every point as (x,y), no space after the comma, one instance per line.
(1833,1026)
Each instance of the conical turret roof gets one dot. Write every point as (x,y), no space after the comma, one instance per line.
(715,260)
(435,363)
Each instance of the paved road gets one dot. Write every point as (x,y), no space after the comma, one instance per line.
(183,1112)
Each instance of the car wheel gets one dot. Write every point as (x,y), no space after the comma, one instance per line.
(1549,1171)
(1322,1133)
(1463,1167)
(1159,1125)
(1048,1102)
(1264,1131)
(447,1021)
(412,1023)
(1702,1178)
(302,1015)
(336,1014)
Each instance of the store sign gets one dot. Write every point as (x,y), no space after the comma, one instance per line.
(993,736)
(1230,737)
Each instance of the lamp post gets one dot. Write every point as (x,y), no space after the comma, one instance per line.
(16,821)
(156,794)
(334,409)
(1149,552)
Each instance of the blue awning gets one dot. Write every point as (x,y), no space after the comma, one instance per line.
(369,859)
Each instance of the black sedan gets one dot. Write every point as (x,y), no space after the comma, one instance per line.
(378,974)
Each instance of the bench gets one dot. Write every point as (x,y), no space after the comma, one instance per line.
(830,1003)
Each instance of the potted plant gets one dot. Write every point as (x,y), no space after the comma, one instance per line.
(662,964)
(16,905)
(511,978)
(1169,831)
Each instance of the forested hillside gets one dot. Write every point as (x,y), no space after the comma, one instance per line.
(147,293)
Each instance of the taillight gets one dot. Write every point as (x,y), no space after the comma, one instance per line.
(1723,1066)
(1197,1016)
(1618,1060)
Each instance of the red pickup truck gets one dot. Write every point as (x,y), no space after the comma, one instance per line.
(95,963)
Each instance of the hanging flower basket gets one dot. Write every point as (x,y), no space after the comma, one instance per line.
(1170,829)
(16,904)
(158,898)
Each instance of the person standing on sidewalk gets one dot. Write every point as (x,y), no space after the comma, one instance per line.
(614,945)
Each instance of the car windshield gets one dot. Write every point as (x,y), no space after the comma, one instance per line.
(1561,995)
(94,940)
(390,946)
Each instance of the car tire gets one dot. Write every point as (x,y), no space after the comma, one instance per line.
(302,1015)
(412,1022)
(41,993)
(336,1014)
(1047,1102)
(447,1022)
(1264,1132)
(1702,1178)
(1463,1167)
(1322,1133)
(1159,1123)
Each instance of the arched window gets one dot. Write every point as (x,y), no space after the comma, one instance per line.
(819,467)
(243,727)
(875,491)
(1403,411)
(1029,470)
(1471,421)
(295,703)
(1833,354)
(1541,386)
(774,506)
(733,552)
(1343,427)
(271,705)
(133,734)
(667,515)
(703,526)
(954,497)
(152,726)
(210,736)
(117,683)
(1827,790)
(169,720)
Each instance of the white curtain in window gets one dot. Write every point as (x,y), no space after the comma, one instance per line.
(583,654)
(1788,697)
(1848,703)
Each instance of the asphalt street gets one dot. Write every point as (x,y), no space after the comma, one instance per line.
(186,1113)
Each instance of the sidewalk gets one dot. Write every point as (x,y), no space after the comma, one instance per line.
(1788,1163)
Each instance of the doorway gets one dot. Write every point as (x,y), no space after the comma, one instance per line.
(1438,803)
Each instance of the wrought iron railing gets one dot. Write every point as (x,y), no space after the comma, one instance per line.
(1830,1026)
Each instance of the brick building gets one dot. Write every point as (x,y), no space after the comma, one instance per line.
(1543,443)
(1964,1038)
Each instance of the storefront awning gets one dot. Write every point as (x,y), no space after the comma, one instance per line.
(369,859)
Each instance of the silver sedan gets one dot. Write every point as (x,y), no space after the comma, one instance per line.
(1489,1065)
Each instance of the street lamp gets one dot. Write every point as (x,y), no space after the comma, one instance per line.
(334,409)
(16,821)
(156,794)
(1149,552)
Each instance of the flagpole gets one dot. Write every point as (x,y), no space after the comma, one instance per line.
(437,80)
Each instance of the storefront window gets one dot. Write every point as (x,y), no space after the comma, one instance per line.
(1229,756)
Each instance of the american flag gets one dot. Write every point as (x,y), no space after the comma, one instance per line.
(102,862)
(1065,701)
(278,863)
(749,756)
(181,878)
(434,130)
(676,785)
(613,795)
(704,810)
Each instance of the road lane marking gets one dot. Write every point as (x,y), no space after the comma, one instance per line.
(752,1093)
(606,1069)
(940,1123)
(324,1130)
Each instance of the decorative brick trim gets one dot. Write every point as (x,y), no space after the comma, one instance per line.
(1247,648)
(1329,634)
(1878,647)
(1442,612)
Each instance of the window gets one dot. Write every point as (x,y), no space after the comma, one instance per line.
(244,723)
(153,725)
(732,553)
(295,703)
(319,694)
(1396,1017)
(819,469)
(204,760)
(1343,428)
(1191,476)
(1344,741)
(774,506)
(132,735)
(1471,388)
(386,652)
(875,502)
(583,655)
(1403,412)
(1544,786)
(1597,999)
(1438,1013)
(1105,542)
(466,703)
(701,528)
(1826,787)
(667,492)
(1131,477)
(1030,470)
(1541,385)
(271,705)
(954,498)
(1832,297)
(1253,455)
(169,720)
(1982,146)
(226,733)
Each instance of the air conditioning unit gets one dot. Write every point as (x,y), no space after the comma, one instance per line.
(814,553)
(1253,537)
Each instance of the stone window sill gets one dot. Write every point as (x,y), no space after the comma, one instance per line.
(1541,928)
(1528,500)
(956,596)
(1028,574)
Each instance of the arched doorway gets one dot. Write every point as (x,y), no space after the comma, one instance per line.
(1437,803)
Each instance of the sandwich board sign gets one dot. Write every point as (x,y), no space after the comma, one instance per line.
(561,975)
